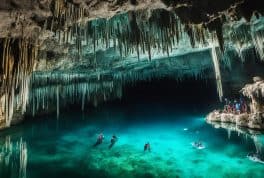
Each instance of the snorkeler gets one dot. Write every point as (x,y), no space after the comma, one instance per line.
(147,147)
(99,139)
(113,141)
(255,157)
(198,145)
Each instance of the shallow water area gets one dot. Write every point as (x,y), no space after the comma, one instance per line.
(64,147)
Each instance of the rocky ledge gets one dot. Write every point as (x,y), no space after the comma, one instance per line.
(254,119)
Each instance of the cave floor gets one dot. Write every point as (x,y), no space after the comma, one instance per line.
(63,148)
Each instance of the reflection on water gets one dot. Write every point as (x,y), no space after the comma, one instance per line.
(255,135)
(13,158)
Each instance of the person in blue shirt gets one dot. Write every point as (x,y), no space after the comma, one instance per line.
(237,106)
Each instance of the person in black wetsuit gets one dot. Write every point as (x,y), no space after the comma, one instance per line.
(147,147)
(99,139)
(113,141)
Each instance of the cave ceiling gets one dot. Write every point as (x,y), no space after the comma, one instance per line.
(167,26)
(97,36)
(83,42)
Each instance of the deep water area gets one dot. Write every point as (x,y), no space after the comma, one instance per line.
(53,148)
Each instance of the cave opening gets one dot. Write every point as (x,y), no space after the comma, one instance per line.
(156,97)
(190,95)
(151,97)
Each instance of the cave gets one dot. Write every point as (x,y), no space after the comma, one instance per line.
(131,88)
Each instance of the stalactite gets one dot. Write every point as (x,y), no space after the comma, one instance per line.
(68,89)
(18,58)
(216,60)
(136,36)
(227,59)
(58,101)
(258,38)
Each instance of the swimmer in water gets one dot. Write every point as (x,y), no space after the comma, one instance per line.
(99,140)
(147,147)
(113,141)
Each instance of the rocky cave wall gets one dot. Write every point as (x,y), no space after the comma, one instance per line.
(123,39)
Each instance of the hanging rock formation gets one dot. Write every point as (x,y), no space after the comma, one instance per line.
(121,41)
(255,92)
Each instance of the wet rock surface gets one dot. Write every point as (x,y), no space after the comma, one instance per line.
(253,119)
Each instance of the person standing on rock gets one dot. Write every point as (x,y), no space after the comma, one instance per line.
(226,105)
(238,107)
(234,107)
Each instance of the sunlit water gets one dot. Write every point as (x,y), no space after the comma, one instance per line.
(63,148)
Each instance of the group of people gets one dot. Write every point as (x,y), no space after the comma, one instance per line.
(197,144)
(113,140)
(100,139)
(235,107)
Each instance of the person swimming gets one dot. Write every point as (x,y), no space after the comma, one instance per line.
(113,141)
(147,147)
(255,157)
(99,139)
(198,145)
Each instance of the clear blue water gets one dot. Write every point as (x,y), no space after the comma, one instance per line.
(63,148)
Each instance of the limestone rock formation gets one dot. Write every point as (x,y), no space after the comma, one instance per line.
(254,119)
(2,117)
(120,41)
(255,92)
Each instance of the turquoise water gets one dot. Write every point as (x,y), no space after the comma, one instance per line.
(63,148)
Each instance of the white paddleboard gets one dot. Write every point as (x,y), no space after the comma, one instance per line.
(255,159)
(198,147)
